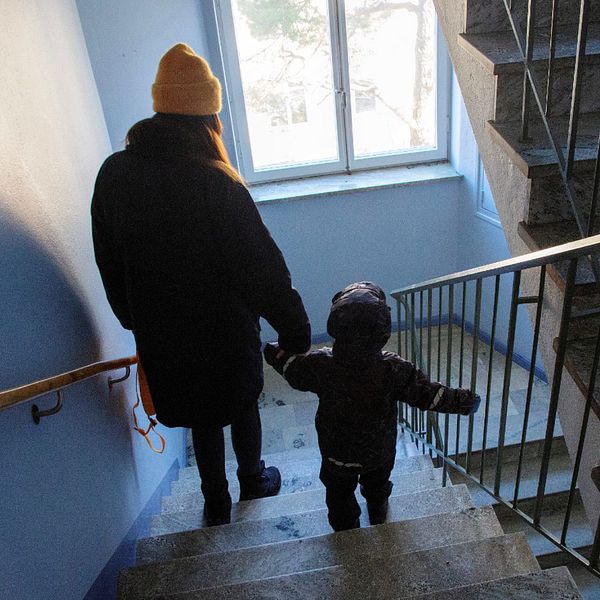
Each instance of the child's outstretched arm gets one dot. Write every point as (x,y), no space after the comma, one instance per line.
(413,387)
(299,370)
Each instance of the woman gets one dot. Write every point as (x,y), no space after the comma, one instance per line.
(189,267)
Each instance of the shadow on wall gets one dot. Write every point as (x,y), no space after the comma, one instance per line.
(45,327)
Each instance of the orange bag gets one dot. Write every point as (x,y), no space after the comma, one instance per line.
(142,391)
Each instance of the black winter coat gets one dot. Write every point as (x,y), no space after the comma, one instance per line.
(189,267)
(357,418)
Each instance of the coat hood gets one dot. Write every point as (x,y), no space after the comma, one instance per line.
(360,323)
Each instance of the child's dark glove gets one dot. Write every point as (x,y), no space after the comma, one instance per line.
(275,356)
(476,403)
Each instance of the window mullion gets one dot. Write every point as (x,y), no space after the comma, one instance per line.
(341,79)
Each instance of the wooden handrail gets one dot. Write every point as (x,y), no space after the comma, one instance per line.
(30,391)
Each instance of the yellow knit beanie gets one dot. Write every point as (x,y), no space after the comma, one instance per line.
(185,85)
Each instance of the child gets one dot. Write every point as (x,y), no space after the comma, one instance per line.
(359,387)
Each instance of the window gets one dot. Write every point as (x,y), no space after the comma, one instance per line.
(330,86)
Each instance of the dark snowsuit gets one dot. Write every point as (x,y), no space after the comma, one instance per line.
(359,387)
(189,267)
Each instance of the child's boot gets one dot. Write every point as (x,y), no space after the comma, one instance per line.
(267,482)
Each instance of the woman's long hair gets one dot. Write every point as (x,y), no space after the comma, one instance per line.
(199,139)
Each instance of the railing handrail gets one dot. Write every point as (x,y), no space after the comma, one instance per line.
(583,247)
(27,392)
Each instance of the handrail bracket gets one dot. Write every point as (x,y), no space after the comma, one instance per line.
(37,414)
(112,381)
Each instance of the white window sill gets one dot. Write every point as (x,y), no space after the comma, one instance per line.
(328,185)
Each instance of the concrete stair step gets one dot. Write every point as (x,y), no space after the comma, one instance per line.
(484,16)
(292,462)
(190,497)
(559,480)
(266,531)
(579,361)
(551,584)
(579,535)
(539,237)
(498,53)
(498,50)
(386,577)
(293,556)
(536,158)
(302,502)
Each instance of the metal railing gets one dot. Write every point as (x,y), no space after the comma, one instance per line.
(456,327)
(523,25)
(58,383)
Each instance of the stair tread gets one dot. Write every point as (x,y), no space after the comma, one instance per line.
(537,158)
(296,555)
(294,463)
(559,479)
(265,531)
(399,576)
(579,534)
(303,502)
(551,584)
(189,498)
(484,16)
(498,50)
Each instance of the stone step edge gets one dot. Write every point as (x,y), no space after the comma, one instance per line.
(565,581)
(460,489)
(485,528)
(231,468)
(487,513)
(435,474)
(517,540)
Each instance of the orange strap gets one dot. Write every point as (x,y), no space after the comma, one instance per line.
(142,393)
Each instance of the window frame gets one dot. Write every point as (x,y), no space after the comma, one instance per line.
(347,162)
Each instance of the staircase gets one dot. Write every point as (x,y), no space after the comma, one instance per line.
(436,544)
(525,178)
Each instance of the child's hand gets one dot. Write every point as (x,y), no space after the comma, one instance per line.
(476,403)
(272,353)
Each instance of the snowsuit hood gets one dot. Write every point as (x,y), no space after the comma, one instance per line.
(360,323)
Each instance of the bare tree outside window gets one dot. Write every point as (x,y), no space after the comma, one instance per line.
(288,74)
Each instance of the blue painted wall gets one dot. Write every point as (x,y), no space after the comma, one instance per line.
(73,486)
(481,240)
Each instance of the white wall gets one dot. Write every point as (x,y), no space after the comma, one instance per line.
(73,485)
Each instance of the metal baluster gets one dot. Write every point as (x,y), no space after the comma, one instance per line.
(429,310)
(448,379)
(534,347)
(582,435)
(595,553)
(399,346)
(421,365)
(461,362)
(592,215)
(439,347)
(489,378)
(529,44)
(512,325)
(584,18)
(555,391)
(551,55)
(413,354)
(476,320)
